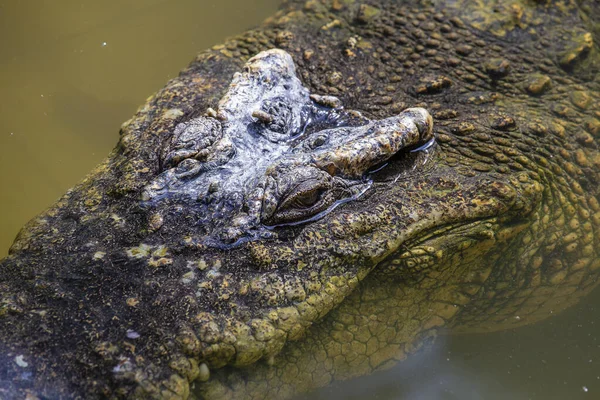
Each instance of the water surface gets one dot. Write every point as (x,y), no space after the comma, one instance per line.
(72,71)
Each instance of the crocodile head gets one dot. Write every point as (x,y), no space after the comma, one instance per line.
(260,240)
(259,218)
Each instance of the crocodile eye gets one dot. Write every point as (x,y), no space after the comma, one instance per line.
(305,199)
(300,199)
(308,199)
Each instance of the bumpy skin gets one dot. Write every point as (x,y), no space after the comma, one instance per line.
(108,294)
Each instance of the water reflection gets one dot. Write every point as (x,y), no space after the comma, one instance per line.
(556,359)
(430,375)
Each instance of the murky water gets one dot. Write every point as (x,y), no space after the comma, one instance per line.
(557,359)
(72,71)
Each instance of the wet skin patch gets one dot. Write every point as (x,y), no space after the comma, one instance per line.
(273,154)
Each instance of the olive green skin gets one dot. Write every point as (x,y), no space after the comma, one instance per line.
(497,229)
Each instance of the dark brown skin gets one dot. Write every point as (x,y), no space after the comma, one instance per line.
(496,229)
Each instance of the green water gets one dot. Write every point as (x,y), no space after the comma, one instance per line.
(557,359)
(72,71)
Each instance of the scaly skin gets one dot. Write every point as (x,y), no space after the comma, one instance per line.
(102,296)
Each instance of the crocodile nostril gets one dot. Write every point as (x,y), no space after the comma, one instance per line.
(262,116)
(424,122)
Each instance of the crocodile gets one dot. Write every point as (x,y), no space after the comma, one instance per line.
(317,199)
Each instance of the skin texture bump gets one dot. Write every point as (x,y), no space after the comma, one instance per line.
(315,200)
